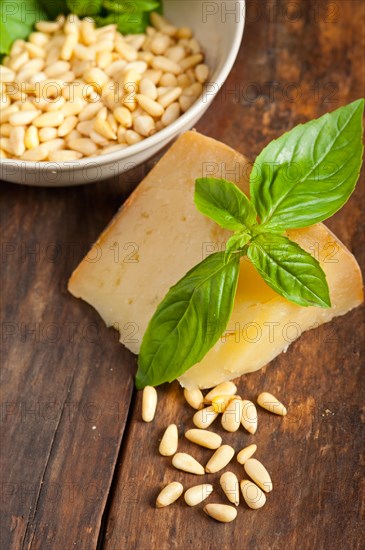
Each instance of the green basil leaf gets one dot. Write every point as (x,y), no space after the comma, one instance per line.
(237,241)
(224,202)
(309,173)
(289,270)
(130,6)
(85,7)
(126,23)
(189,320)
(17,20)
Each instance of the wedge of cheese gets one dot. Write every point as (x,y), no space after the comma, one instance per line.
(158,235)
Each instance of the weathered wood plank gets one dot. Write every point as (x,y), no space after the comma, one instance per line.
(64,401)
(315,50)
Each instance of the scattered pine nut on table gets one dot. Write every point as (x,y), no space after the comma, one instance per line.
(128,87)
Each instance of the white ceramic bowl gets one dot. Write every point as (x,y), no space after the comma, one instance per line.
(219,28)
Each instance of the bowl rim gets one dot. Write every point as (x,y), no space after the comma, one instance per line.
(160,136)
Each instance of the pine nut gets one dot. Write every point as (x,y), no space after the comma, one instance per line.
(194,90)
(47,26)
(38,38)
(6,74)
(55,145)
(186,102)
(135,40)
(159,44)
(6,145)
(112,122)
(67,126)
(169,80)
(103,128)
(183,81)
(17,135)
(195,398)
(5,129)
(125,50)
(132,137)
(169,494)
(104,59)
(74,135)
(161,90)
(36,154)
(205,438)
(270,403)
(221,512)
(35,51)
(106,45)
(56,104)
(35,65)
(7,112)
(225,388)
(17,48)
(169,441)
(23,117)
(116,68)
(153,75)
(96,76)
(184,32)
(37,77)
(185,462)
(98,138)
(147,88)
(231,418)
(53,118)
(57,68)
(231,487)
(249,416)
(3,155)
(191,61)
(85,127)
(202,73)
(68,47)
(47,133)
(220,459)
(83,53)
(144,125)
(149,402)
(84,146)
(89,111)
(73,107)
(195,495)
(123,116)
(204,417)
(17,62)
(167,65)
(259,474)
(64,155)
(221,402)
(246,453)
(169,97)
(254,497)
(150,106)
(175,53)
(138,66)
(87,30)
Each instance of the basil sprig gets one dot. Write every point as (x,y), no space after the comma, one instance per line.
(299,179)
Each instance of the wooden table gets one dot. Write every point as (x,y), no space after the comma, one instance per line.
(79,468)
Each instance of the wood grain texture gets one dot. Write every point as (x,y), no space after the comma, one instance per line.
(67,384)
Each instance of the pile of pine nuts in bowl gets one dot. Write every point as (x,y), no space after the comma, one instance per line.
(74,90)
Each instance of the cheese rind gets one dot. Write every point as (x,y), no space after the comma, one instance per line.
(159,235)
